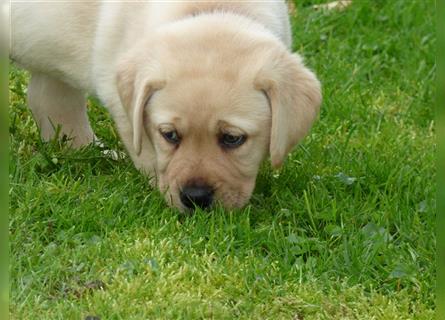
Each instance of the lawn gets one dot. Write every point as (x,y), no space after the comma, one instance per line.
(345,230)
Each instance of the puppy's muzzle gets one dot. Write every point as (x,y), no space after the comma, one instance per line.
(197,195)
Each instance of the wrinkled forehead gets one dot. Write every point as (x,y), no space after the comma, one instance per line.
(209,103)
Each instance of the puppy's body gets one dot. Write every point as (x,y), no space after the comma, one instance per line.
(200,70)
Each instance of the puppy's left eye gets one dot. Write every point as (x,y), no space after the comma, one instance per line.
(231,141)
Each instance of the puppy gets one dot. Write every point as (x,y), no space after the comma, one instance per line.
(201,92)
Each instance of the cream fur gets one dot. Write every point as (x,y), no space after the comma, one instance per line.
(200,67)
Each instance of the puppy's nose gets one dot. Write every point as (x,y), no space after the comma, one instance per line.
(193,195)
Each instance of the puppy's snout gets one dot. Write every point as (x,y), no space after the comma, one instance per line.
(197,195)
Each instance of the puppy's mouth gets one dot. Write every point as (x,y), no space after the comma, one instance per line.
(200,194)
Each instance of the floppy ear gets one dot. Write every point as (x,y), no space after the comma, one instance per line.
(294,95)
(135,94)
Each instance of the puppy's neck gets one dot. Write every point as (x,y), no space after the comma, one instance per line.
(266,17)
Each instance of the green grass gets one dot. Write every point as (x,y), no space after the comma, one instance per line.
(345,230)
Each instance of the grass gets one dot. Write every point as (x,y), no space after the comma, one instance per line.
(345,230)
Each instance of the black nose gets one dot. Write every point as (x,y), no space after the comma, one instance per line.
(193,195)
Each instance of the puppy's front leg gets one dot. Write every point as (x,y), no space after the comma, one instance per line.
(54,103)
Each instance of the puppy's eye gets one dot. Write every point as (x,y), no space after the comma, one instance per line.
(171,136)
(231,141)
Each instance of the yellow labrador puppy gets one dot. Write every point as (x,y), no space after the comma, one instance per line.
(201,92)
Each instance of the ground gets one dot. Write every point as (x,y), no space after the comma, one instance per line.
(345,230)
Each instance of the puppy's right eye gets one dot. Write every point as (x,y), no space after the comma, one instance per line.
(171,136)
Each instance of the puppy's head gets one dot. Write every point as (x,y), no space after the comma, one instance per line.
(214,105)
